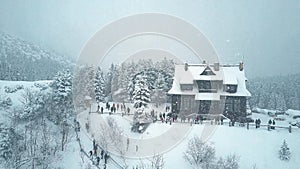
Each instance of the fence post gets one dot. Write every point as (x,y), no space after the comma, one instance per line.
(290,129)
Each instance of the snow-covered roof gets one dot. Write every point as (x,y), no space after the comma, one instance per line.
(183,77)
(176,89)
(228,74)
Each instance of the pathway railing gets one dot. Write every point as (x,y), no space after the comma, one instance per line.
(113,162)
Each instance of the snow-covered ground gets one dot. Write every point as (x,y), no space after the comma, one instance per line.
(154,130)
(257,147)
(15,91)
(254,146)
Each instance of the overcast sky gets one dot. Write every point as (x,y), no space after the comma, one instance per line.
(265,32)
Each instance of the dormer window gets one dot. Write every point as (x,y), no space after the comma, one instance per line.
(186,87)
(207,71)
(230,88)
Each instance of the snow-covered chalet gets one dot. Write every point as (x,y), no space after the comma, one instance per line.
(209,89)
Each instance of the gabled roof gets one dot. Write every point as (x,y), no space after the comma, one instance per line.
(207,71)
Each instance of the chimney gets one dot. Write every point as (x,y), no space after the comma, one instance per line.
(216,66)
(186,66)
(241,66)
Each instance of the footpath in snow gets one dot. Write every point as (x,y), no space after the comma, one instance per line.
(140,147)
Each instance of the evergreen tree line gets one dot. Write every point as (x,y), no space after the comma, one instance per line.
(39,129)
(22,60)
(276,93)
(118,82)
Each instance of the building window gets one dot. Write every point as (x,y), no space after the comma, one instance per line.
(206,86)
(186,87)
(230,88)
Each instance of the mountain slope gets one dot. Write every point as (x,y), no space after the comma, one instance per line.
(22,60)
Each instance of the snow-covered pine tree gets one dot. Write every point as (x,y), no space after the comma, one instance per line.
(62,87)
(141,98)
(130,79)
(160,83)
(263,100)
(281,103)
(90,82)
(277,101)
(151,77)
(284,152)
(167,68)
(273,100)
(5,143)
(83,84)
(108,82)
(115,81)
(293,102)
(130,89)
(121,94)
(141,93)
(62,94)
(158,95)
(99,86)
(8,142)
(123,76)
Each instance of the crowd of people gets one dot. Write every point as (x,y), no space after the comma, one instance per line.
(168,117)
(98,154)
(114,108)
(272,124)
(257,123)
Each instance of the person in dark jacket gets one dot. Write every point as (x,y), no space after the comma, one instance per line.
(102,153)
(98,160)
(258,122)
(128,110)
(106,158)
(273,127)
(270,122)
(112,109)
(98,108)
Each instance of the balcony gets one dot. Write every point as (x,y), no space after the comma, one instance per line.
(208,90)
(207,96)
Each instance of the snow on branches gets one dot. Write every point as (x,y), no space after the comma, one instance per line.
(99,85)
(284,152)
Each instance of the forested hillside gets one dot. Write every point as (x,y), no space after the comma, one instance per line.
(22,60)
(276,93)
